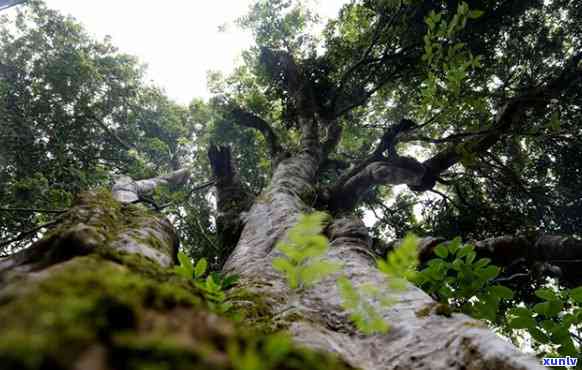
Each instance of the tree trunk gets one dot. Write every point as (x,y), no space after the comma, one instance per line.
(96,292)
(419,337)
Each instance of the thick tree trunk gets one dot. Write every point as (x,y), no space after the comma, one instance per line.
(97,292)
(417,340)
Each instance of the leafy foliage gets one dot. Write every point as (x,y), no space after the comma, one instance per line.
(303,262)
(467,284)
(400,264)
(359,302)
(552,323)
(448,61)
(214,286)
(398,267)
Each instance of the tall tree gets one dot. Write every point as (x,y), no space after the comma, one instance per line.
(488,91)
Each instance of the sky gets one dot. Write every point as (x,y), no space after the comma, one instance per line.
(177,39)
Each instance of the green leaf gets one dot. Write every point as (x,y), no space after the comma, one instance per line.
(283,265)
(538,335)
(401,261)
(229,281)
(522,322)
(316,271)
(502,292)
(185,269)
(546,294)
(542,308)
(200,268)
(184,260)
(464,250)
(576,294)
(470,257)
(489,272)
(442,251)
(482,262)
(474,14)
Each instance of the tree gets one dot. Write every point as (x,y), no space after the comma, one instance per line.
(306,124)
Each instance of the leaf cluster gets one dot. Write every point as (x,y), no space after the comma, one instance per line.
(214,286)
(303,262)
(467,284)
(553,322)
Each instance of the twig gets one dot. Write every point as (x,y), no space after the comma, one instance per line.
(197,188)
(37,210)
(203,232)
(24,234)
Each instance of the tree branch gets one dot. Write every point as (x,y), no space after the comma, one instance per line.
(192,191)
(30,232)
(126,190)
(536,250)
(251,120)
(507,118)
(378,168)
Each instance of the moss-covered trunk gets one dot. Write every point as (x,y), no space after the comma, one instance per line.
(98,292)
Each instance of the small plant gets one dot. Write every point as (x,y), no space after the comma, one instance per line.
(265,354)
(399,267)
(303,262)
(213,286)
(357,301)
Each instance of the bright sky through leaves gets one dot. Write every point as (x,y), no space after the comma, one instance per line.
(178,40)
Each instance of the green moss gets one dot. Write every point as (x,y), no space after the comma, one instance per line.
(85,301)
(424,311)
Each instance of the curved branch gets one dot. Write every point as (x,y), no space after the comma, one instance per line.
(543,254)
(251,120)
(506,119)
(126,190)
(395,171)
(377,169)
(30,232)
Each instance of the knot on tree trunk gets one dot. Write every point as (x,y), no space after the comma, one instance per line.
(349,230)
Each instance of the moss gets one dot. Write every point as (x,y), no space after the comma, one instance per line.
(253,312)
(144,316)
(95,223)
(424,311)
(87,300)
(264,197)
(443,309)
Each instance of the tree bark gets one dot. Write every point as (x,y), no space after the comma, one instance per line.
(415,341)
